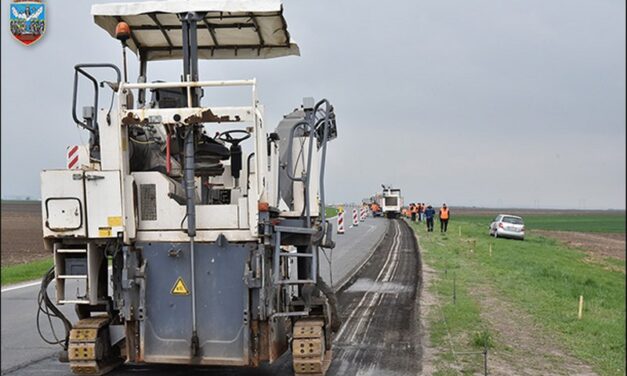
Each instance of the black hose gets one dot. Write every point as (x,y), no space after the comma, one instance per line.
(336,321)
(47,307)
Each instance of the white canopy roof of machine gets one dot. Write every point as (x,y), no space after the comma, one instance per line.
(231,29)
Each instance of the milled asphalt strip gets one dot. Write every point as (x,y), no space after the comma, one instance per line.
(390,264)
(363,299)
(386,278)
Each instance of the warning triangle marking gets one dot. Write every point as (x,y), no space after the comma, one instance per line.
(179,287)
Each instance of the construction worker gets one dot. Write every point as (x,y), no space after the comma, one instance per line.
(429,214)
(376,210)
(413,209)
(444,217)
(421,210)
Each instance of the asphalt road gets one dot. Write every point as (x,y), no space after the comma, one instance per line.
(24,353)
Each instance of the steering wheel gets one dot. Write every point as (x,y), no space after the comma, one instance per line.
(227,136)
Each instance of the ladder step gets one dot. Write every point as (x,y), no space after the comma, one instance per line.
(295,282)
(64,276)
(69,250)
(295,230)
(287,254)
(80,301)
(290,314)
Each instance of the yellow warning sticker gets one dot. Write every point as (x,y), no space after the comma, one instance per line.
(114,221)
(104,232)
(179,287)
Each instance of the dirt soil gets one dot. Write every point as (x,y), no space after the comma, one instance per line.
(528,349)
(596,244)
(22,237)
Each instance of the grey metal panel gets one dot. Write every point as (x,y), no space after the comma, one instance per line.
(283,130)
(222,303)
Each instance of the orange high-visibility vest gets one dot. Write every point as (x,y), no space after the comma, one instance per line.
(443,213)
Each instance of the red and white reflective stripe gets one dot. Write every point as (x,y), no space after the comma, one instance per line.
(340,222)
(362,214)
(72,157)
(355,218)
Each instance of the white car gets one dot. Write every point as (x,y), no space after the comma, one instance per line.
(508,226)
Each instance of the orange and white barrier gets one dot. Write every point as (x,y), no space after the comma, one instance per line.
(340,222)
(355,218)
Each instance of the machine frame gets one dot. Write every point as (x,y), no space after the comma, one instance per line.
(213,263)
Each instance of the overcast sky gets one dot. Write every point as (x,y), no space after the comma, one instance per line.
(480,103)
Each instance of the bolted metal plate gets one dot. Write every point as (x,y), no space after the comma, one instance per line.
(83,334)
(82,351)
(307,347)
(308,329)
(307,366)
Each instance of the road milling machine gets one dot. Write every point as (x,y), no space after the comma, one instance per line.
(391,202)
(185,232)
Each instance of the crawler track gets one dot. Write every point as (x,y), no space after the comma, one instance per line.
(380,332)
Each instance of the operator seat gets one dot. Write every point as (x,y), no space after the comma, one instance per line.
(209,153)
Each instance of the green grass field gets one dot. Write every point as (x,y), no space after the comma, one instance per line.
(330,212)
(540,277)
(610,223)
(24,272)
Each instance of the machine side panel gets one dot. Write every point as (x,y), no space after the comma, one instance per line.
(104,203)
(221,296)
(63,203)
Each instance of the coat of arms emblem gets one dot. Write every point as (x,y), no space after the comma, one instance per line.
(28,20)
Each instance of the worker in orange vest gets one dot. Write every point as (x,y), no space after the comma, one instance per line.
(421,210)
(413,210)
(444,217)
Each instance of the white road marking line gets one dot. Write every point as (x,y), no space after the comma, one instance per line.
(20,286)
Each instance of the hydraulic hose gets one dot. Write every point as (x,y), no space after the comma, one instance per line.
(47,307)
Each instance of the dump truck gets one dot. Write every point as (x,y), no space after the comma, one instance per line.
(211,221)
